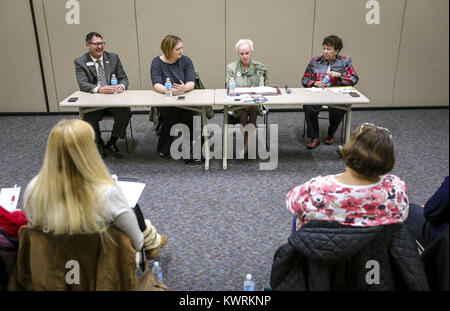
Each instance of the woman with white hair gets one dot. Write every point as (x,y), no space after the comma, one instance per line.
(247,73)
(75,194)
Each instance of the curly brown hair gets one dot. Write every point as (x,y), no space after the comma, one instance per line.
(333,41)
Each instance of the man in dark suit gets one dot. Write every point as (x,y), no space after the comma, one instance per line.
(94,70)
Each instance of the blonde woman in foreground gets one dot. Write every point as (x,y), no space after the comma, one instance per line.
(75,194)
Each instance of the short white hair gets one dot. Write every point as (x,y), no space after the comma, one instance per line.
(250,43)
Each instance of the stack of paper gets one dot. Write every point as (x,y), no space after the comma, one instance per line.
(131,190)
(342,89)
(9,198)
(265,90)
(315,89)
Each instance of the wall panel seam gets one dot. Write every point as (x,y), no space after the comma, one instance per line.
(224,73)
(138,48)
(38,47)
(50,51)
(398,54)
(313,29)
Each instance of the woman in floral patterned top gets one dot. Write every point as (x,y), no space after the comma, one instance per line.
(364,195)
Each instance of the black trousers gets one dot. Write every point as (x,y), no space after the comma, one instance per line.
(121,117)
(312,120)
(169,117)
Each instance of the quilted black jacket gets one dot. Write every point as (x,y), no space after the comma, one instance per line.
(330,256)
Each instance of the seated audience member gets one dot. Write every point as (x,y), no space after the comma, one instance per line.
(364,195)
(430,220)
(94,71)
(340,72)
(247,73)
(10,223)
(173,65)
(74,193)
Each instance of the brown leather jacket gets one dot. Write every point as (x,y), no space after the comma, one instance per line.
(46,262)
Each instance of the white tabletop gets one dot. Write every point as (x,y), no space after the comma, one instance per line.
(139,98)
(298,96)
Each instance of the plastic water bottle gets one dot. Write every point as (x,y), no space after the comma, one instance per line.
(232,87)
(249,285)
(168,86)
(157,271)
(327,80)
(114,82)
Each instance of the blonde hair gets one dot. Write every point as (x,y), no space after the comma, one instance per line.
(65,197)
(168,44)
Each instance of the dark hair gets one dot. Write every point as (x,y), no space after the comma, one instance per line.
(333,41)
(168,44)
(370,151)
(92,34)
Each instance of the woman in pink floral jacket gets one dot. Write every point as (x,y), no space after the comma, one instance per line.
(364,195)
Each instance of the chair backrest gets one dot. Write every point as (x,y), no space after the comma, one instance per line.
(436,263)
(198,83)
(8,252)
(74,262)
(329,256)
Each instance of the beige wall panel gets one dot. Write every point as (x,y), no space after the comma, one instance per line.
(201,26)
(114,19)
(372,47)
(281,32)
(422,76)
(21,87)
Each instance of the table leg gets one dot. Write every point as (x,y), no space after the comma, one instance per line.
(224,137)
(348,123)
(206,136)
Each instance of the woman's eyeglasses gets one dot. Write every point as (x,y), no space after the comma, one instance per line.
(375,126)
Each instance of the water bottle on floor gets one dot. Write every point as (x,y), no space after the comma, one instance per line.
(168,86)
(249,285)
(157,271)
(114,82)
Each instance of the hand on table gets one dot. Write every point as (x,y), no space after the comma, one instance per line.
(119,88)
(320,84)
(109,89)
(178,88)
(106,89)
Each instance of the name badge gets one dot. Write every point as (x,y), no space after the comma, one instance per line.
(238,74)
(107,61)
(90,64)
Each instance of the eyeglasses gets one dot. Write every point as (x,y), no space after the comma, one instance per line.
(375,126)
(97,43)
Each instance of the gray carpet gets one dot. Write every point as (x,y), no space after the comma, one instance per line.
(222,225)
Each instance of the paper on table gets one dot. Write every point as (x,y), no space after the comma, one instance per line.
(256,90)
(315,89)
(245,98)
(6,195)
(131,190)
(342,89)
